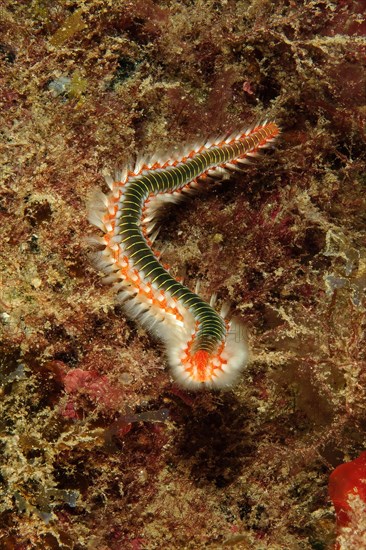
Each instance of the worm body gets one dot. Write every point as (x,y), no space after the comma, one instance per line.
(204,350)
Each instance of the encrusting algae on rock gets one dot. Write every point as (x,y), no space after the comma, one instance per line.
(91,457)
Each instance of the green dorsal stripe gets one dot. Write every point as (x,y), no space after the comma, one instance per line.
(211,327)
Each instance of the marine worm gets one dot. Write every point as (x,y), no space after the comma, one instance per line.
(202,346)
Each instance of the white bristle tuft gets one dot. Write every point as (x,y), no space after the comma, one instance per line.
(225,308)
(197,286)
(154,235)
(112,278)
(109,181)
(94,242)
(244,161)
(94,219)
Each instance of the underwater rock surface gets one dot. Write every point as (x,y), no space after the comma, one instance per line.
(98,448)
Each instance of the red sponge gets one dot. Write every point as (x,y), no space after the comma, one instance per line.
(347,479)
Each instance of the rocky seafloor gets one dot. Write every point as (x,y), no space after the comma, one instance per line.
(98,447)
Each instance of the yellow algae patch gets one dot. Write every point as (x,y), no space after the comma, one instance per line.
(73,24)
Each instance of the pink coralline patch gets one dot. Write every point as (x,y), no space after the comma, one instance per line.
(247,88)
(70,411)
(346,480)
(95,386)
